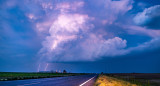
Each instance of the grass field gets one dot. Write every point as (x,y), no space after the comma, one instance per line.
(104,80)
(129,79)
(141,79)
(5,76)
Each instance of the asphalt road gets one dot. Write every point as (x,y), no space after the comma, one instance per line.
(81,80)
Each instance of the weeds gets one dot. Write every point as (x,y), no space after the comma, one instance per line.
(104,80)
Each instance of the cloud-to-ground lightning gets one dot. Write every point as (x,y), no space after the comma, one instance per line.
(46,67)
(38,67)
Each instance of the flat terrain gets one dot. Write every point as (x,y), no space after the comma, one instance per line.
(142,79)
(81,80)
(104,80)
(5,76)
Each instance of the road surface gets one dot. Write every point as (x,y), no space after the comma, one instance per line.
(81,80)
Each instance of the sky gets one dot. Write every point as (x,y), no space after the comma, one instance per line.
(87,36)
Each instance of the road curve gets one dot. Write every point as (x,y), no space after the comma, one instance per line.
(81,80)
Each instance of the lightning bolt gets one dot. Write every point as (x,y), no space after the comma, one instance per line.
(38,67)
(46,67)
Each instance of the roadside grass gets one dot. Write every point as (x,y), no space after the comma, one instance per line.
(104,80)
(140,79)
(133,80)
(5,76)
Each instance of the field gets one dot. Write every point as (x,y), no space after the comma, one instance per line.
(134,79)
(144,79)
(5,76)
(104,80)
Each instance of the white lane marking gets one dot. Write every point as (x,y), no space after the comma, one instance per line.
(86,81)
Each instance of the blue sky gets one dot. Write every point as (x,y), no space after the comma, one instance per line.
(80,36)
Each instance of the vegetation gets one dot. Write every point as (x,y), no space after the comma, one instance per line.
(5,76)
(134,81)
(128,79)
(104,80)
(140,79)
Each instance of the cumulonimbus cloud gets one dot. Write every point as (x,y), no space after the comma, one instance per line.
(66,28)
(71,35)
(71,38)
(74,30)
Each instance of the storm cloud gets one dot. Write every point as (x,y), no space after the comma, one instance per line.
(42,32)
(71,37)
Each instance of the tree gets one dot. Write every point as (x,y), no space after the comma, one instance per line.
(64,71)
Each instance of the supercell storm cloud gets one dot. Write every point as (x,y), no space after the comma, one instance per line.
(46,31)
(72,37)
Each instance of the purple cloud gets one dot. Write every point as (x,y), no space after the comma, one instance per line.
(69,28)
(80,30)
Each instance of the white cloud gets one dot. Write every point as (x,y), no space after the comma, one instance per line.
(65,6)
(150,45)
(31,16)
(68,27)
(150,17)
(47,6)
(71,23)
(95,47)
(115,8)
(63,30)
(137,30)
(121,6)
(89,49)
(43,26)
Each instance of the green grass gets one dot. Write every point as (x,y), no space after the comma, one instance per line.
(5,76)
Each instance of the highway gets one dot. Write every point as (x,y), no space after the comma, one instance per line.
(81,80)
